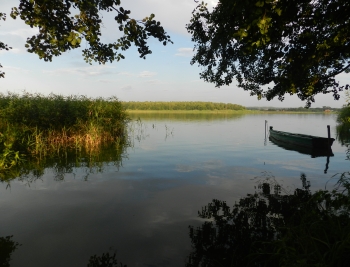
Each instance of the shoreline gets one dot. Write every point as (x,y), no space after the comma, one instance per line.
(134,111)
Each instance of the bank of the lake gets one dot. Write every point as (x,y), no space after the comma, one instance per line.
(245,111)
(212,107)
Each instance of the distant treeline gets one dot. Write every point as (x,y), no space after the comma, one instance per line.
(180,106)
(300,109)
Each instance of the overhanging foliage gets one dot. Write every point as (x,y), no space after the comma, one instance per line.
(273,48)
(60,30)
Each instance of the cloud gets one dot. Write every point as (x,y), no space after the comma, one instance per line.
(105,81)
(173,14)
(86,71)
(147,74)
(125,73)
(23,33)
(184,52)
(153,81)
(13,51)
(126,88)
(214,3)
(14,69)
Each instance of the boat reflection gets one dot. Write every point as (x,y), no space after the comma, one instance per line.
(314,153)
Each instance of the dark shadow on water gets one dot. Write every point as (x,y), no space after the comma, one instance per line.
(8,246)
(273,227)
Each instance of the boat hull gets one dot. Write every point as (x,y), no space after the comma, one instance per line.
(302,140)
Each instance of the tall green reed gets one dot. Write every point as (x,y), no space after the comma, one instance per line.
(343,120)
(35,126)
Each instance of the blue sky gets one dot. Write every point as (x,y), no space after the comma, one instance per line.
(165,75)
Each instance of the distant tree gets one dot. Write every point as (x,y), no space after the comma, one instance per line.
(60,30)
(288,47)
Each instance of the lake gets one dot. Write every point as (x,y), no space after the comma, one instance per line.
(141,207)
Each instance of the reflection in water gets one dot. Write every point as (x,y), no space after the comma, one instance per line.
(7,247)
(144,210)
(67,161)
(274,229)
(106,260)
(305,150)
(314,153)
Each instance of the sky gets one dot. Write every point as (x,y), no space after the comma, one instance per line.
(165,75)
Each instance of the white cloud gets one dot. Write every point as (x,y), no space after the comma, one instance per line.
(184,52)
(13,50)
(147,74)
(125,73)
(87,71)
(23,33)
(14,69)
(214,3)
(153,81)
(126,88)
(105,81)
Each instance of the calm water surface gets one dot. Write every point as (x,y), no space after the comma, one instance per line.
(142,210)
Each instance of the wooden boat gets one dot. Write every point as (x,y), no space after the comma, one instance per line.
(302,140)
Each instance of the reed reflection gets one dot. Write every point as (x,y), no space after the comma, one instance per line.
(8,246)
(66,161)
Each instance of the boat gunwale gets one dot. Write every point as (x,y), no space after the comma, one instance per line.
(299,135)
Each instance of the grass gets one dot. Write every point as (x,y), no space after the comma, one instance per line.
(34,126)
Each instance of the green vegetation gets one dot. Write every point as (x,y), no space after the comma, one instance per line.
(273,227)
(273,48)
(343,120)
(185,115)
(75,21)
(325,109)
(37,127)
(176,106)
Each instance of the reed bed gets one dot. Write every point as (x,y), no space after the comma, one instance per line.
(34,126)
(181,106)
(343,120)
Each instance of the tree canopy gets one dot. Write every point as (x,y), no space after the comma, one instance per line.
(274,47)
(63,24)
